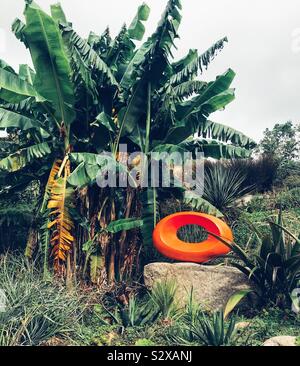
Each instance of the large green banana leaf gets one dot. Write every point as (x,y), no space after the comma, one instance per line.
(136,29)
(104,130)
(187,88)
(215,96)
(23,157)
(134,112)
(86,58)
(26,73)
(189,66)
(14,89)
(89,166)
(124,224)
(216,149)
(152,59)
(9,119)
(218,131)
(5,66)
(58,14)
(217,102)
(53,70)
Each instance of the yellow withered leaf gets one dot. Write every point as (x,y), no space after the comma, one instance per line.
(60,220)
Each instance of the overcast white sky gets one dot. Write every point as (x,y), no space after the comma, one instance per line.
(263,49)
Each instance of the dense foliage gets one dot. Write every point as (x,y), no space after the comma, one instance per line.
(86,96)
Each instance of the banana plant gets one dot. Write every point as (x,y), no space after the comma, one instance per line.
(40,104)
(87,96)
(162,105)
(43,106)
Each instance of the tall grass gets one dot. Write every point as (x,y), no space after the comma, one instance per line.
(35,311)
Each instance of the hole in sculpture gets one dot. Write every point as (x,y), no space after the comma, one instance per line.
(192,233)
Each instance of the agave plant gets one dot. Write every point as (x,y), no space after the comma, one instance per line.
(275,269)
(214,331)
(207,330)
(136,314)
(86,96)
(223,186)
(163,296)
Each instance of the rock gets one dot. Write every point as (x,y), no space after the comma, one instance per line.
(282,341)
(243,201)
(242,325)
(212,285)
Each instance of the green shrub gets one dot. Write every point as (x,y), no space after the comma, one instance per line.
(138,313)
(292,181)
(269,322)
(244,235)
(243,232)
(17,214)
(287,169)
(259,173)
(144,343)
(159,302)
(288,199)
(260,203)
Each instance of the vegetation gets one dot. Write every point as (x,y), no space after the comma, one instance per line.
(275,270)
(223,186)
(282,141)
(84,245)
(31,316)
(196,327)
(88,96)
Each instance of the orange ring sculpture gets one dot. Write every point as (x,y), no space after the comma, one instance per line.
(166,241)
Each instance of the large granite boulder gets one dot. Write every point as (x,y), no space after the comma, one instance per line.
(212,285)
(281,341)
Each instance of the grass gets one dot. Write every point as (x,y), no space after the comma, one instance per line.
(268,323)
(243,233)
(36,311)
(46,313)
(264,325)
